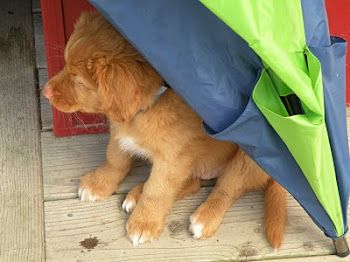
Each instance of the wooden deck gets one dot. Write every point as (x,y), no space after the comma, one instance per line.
(42,219)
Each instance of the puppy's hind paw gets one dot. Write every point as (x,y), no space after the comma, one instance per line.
(128,205)
(204,222)
(139,240)
(196,228)
(132,198)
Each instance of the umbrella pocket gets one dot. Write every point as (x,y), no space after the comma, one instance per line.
(305,135)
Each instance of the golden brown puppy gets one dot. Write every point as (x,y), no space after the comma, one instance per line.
(105,74)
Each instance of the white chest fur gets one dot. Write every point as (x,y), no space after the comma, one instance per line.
(128,145)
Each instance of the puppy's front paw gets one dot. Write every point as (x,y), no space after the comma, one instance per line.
(86,195)
(94,187)
(142,229)
(204,222)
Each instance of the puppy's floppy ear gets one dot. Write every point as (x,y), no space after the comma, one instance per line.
(118,89)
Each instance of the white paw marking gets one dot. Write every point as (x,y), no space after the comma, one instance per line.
(85,195)
(128,145)
(139,239)
(196,228)
(128,205)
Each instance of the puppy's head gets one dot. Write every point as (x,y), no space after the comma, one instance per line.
(103,73)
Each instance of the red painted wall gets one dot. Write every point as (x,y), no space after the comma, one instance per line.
(339,24)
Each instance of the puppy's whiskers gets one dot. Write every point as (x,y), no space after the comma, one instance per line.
(67,119)
(79,120)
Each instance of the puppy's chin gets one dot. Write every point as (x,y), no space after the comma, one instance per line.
(75,109)
(64,107)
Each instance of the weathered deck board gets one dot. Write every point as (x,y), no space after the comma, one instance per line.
(43,77)
(21,201)
(36,8)
(39,42)
(331,258)
(46,114)
(41,64)
(66,159)
(240,237)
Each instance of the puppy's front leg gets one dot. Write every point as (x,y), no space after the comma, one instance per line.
(159,192)
(104,181)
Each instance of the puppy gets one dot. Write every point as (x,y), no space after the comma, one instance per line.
(105,74)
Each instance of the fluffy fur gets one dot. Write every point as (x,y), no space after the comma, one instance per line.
(105,74)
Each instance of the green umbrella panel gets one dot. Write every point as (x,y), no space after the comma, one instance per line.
(275,31)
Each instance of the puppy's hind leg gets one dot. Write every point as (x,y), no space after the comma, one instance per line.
(237,179)
(192,186)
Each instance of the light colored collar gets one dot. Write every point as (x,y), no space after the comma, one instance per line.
(160,92)
(163,88)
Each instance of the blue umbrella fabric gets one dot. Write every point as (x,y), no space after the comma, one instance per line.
(215,71)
